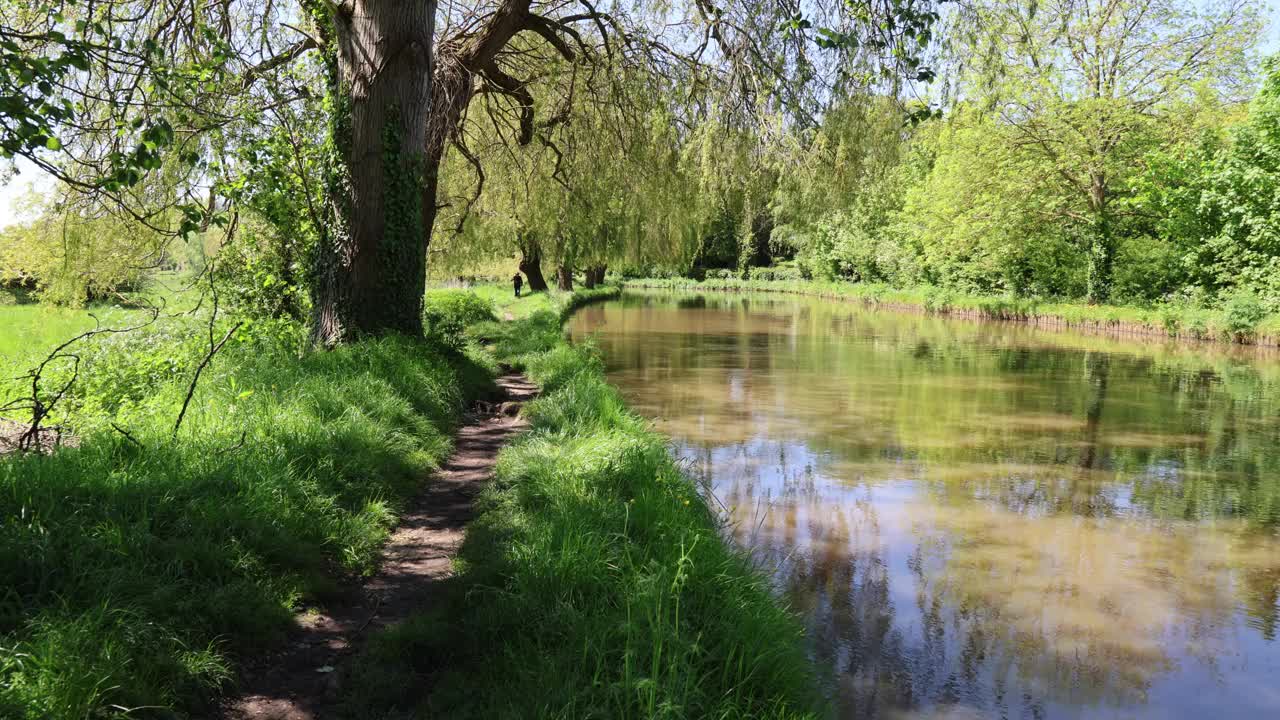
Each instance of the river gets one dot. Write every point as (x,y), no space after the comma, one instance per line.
(981,519)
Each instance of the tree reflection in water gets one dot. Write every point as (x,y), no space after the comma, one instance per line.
(982,519)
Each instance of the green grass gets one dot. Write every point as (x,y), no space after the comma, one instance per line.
(28,332)
(595,582)
(509,307)
(134,572)
(1226,323)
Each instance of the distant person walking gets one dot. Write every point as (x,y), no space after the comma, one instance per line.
(518,282)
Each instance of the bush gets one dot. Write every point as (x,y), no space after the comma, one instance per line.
(446,314)
(1241,313)
(937,299)
(788,273)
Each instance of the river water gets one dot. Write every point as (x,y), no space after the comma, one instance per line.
(981,519)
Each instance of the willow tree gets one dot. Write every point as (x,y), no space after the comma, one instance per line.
(395,108)
(101,93)
(579,196)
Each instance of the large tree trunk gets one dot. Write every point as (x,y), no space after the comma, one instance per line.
(564,277)
(1101,244)
(531,265)
(593,275)
(394,112)
(371,266)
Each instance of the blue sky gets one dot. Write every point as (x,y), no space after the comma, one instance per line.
(29,177)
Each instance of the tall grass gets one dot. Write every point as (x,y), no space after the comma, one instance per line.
(595,582)
(134,570)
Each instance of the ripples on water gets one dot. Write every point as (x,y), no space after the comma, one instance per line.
(982,519)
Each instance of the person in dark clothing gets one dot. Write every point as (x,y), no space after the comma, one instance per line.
(518,282)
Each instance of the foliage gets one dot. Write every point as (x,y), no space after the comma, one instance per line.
(447,313)
(1040,184)
(1242,312)
(777,272)
(76,255)
(988,218)
(1239,200)
(265,262)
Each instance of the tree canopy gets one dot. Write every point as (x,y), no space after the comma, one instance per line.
(327,152)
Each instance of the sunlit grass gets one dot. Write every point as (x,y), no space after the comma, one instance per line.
(30,330)
(136,568)
(133,569)
(594,583)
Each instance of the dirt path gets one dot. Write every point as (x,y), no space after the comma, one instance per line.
(300,681)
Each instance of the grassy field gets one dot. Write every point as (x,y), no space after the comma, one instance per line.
(30,330)
(1239,321)
(510,307)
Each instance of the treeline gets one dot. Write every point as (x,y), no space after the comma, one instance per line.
(1106,152)
(1109,151)
(972,202)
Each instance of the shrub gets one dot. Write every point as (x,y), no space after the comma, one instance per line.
(937,299)
(1241,313)
(446,314)
(1171,319)
(789,273)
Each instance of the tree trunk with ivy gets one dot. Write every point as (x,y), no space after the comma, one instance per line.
(371,263)
(395,107)
(1101,243)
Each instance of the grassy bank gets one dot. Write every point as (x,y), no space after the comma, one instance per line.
(1240,321)
(595,581)
(135,568)
(508,307)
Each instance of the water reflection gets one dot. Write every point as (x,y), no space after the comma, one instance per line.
(982,520)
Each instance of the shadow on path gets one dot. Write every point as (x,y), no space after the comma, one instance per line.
(302,679)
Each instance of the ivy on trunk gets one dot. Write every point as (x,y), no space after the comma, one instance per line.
(371,263)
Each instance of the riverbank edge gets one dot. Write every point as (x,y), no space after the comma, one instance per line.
(595,579)
(1183,324)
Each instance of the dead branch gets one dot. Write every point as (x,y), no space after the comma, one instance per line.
(191,389)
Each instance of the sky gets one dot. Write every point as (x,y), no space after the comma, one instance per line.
(29,177)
